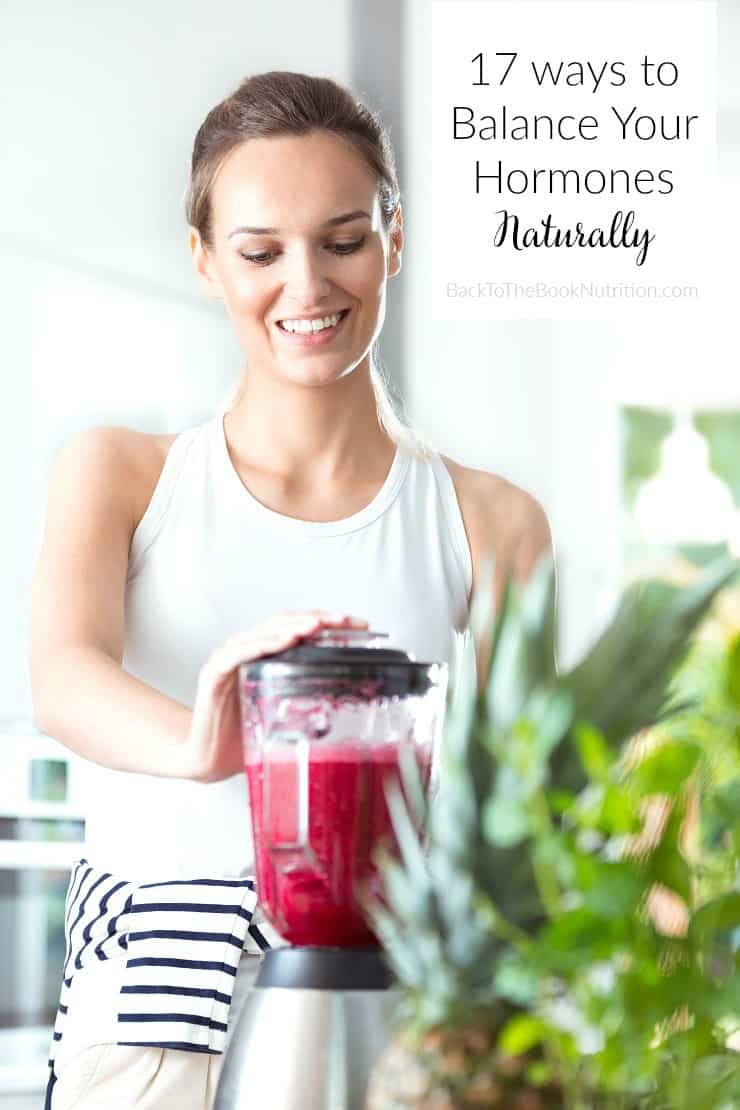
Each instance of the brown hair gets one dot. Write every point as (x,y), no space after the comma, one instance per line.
(284,103)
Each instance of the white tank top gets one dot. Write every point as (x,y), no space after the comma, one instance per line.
(208,560)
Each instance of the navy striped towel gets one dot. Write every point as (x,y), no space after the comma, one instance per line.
(182,941)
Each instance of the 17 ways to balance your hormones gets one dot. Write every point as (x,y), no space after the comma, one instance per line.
(623,230)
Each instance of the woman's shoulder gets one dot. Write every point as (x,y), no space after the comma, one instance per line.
(123,460)
(493,498)
(501,518)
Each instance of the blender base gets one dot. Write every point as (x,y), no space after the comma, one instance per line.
(310,1032)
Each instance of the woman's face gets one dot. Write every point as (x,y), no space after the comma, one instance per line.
(298,235)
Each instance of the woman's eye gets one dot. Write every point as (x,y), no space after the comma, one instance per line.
(263,258)
(347,248)
(259,259)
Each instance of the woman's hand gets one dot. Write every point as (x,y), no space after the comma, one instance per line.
(213,749)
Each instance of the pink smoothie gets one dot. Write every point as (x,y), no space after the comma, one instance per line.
(309,895)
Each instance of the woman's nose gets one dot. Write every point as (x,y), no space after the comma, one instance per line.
(306,282)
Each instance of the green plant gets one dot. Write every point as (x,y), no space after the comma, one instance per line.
(525,932)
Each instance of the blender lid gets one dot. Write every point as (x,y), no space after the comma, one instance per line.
(343,646)
(346,654)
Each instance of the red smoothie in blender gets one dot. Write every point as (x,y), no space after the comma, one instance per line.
(307,886)
(325,725)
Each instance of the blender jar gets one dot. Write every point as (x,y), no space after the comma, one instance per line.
(325,727)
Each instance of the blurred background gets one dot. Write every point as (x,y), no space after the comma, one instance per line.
(629,436)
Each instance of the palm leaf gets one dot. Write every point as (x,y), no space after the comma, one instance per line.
(622,684)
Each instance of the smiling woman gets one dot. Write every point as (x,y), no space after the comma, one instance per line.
(168,560)
(329,116)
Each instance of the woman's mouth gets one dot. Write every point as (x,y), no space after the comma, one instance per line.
(312,333)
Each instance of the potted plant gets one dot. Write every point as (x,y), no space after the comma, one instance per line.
(554,939)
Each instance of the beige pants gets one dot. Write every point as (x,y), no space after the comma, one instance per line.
(116,1077)
(95,1074)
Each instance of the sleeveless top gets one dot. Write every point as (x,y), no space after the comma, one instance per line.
(207,561)
(168,902)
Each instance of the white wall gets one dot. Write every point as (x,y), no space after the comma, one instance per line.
(728,123)
(103,104)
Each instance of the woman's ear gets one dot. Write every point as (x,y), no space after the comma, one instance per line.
(203,265)
(395,236)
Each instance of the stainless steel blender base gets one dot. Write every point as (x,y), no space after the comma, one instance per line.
(305,1049)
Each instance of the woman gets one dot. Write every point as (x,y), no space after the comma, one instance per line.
(166,559)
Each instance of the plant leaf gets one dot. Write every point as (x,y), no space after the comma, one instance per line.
(665,770)
(621,685)
(720,915)
(733,671)
(505,821)
(521,1033)
(595,755)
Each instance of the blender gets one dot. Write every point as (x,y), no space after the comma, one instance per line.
(327,724)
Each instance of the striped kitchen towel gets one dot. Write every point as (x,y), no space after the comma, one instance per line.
(182,940)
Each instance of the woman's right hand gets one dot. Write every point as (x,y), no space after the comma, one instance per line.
(213,750)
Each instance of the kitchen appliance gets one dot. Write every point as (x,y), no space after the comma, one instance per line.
(41,833)
(327,725)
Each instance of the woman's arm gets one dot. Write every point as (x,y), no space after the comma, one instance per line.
(504,524)
(100,485)
(81,695)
